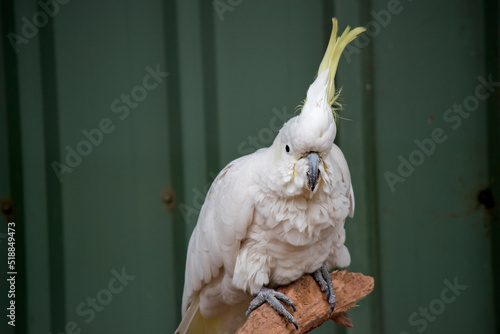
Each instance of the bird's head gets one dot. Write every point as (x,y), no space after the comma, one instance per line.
(304,142)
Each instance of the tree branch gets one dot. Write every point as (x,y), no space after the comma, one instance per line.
(312,308)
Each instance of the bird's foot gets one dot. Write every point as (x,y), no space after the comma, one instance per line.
(273,297)
(323,278)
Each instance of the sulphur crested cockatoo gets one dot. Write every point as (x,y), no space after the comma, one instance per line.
(272,216)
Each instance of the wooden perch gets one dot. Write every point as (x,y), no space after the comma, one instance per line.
(312,308)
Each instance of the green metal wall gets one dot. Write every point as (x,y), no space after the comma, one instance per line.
(102,251)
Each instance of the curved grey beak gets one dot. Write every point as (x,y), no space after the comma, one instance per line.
(313,160)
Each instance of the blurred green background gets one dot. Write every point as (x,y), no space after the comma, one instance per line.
(105,159)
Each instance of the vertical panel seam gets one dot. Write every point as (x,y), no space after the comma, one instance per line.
(57,284)
(209,79)
(371,150)
(492,38)
(174,134)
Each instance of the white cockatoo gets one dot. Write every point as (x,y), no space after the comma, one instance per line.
(272,216)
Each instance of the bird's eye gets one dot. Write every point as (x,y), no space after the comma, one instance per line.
(287,149)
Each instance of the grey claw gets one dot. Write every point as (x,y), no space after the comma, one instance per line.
(324,280)
(273,297)
(284,299)
(318,277)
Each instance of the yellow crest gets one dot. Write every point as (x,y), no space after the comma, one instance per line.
(331,59)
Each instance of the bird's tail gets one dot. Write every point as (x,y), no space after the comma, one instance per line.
(194,323)
(227,323)
(331,59)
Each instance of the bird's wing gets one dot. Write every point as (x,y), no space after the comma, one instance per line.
(222,224)
(339,158)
